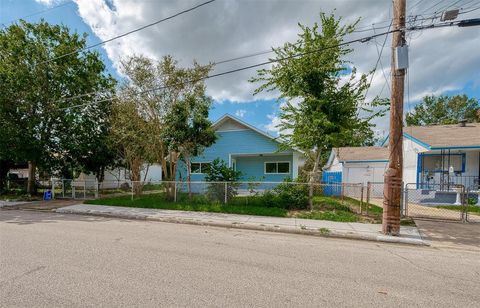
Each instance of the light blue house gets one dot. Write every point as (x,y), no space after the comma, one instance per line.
(246,149)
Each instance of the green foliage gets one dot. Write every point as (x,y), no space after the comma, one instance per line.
(444,110)
(219,174)
(176,113)
(322,93)
(36,122)
(219,171)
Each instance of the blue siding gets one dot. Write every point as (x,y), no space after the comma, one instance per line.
(231,143)
(254,167)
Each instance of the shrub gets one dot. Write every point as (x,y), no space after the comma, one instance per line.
(220,172)
(286,195)
(292,196)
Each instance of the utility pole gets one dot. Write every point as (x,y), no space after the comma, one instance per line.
(393,175)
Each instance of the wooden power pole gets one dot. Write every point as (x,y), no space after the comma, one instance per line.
(393,175)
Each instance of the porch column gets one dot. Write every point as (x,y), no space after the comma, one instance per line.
(295,159)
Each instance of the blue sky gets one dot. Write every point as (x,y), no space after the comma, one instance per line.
(230,28)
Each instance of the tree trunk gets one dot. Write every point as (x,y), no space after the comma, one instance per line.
(313,176)
(135,169)
(31,185)
(5,166)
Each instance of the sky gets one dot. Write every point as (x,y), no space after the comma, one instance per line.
(441,61)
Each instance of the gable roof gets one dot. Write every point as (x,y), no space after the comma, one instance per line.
(438,137)
(358,155)
(346,154)
(445,136)
(226,117)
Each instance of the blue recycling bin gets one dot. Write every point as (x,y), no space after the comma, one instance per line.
(47,195)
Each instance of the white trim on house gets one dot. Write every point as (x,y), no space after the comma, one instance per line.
(231,130)
(276,162)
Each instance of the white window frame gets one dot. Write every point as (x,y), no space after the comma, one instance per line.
(200,162)
(276,162)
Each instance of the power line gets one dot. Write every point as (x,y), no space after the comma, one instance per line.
(378,61)
(40,12)
(361,40)
(129,32)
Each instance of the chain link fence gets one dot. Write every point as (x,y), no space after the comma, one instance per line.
(455,203)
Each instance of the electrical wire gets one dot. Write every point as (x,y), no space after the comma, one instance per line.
(361,40)
(379,52)
(129,32)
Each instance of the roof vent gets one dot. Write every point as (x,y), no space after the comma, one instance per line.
(462,123)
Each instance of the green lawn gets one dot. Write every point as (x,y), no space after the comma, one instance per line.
(325,208)
(470,208)
(157,201)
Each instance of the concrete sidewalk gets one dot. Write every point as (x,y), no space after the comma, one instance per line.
(409,235)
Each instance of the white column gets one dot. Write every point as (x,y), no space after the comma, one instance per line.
(295,163)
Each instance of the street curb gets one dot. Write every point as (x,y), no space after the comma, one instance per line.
(245,226)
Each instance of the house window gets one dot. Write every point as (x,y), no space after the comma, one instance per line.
(442,163)
(199,168)
(278,167)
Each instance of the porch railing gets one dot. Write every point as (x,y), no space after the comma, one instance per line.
(449,182)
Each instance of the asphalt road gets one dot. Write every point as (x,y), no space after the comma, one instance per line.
(53,260)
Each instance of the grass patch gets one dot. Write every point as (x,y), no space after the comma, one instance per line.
(470,208)
(342,216)
(158,201)
(334,209)
(325,208)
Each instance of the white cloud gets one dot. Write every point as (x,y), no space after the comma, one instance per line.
(48,2)
(240,113)
(274,122)
(440,59)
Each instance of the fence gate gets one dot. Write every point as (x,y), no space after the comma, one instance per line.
(72,189)
(333,181)
(435,202)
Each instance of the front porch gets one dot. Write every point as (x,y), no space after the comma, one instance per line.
(444,170)
(266,167)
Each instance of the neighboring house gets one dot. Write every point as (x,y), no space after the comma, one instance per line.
(246,149)
(442,155)
(436,156)
(117,177)
(356,165)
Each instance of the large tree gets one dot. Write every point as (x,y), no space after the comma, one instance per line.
(189,131)
(172,100)
(444,110)
(321,92)
(41,89)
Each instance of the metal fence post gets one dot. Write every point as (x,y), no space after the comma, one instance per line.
(226,192)
(53,188)
(73,191)
(369,188)
(405,201)
(96,189)
(175,191)
(361,199)
(132,182)
(342,188)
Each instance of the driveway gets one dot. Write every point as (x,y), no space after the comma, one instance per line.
(450,234)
